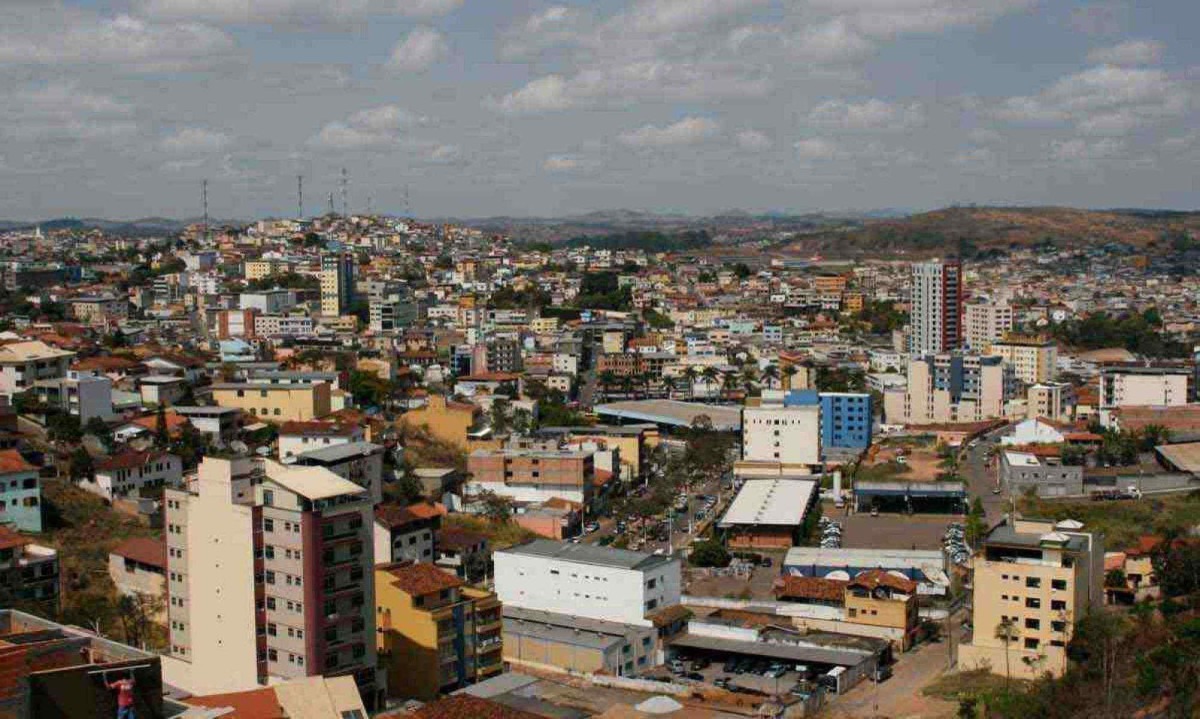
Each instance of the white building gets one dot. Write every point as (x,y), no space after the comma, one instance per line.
(23,363)
(937,307)
(83,394)
(1143,386)
(125,474)
(787,434)
(268,302)
(589,581)
(287,325)
(298,437)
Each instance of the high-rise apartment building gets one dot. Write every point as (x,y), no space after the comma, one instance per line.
(269,577)
(937,307)
(337,282)
(1033,359)
(951,388)
(985,323)
(391,306)
(1033,579)
(786,431)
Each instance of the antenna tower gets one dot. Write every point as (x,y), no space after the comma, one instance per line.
(204,202)
(299,197)
(345,182)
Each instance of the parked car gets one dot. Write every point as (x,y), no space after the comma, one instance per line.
(882,674)
(694,676)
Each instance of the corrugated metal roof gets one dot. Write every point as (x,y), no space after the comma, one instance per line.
(778,502)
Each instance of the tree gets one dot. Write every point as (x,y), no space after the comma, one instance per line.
(709,553)
(162,435)
(63,427)
(81,467)
(976,525)
(497,508)
(99,429)
(1006,631)
(1115,578)
(499,415)
(138,613)
(770,376)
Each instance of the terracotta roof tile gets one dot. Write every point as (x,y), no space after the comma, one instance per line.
(148,551)
(814,588)
(420,579)
(9,539)
(253,704)
(128,459)
(465,706)
(879,578)
(11,461)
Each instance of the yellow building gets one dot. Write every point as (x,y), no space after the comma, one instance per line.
(276,403)
(435,633)
(1032,580)
(881,599)
(258,269)
(446,420)
(1033,359)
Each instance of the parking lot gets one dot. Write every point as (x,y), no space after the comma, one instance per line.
(760,676)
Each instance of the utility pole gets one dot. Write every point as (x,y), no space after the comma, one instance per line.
(299,197)
(345,182)
(331,210)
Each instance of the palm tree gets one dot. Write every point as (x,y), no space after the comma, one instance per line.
(730,382)
(690,374)
(749,377)
(1006,631)
(607,379)
(789,371)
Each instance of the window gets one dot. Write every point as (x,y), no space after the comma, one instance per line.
(268,497)
(1058,584)
(1033,582)
(1033,623)
(1058,605)
(1031,643)
(268,525)
(1033,603)
(1058,626)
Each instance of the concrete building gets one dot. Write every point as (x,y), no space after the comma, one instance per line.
(161,389)
(359,462)
(98,309)
(276,403)
(789,432)
(138,566)
(533,475)
(269,578)
(82,394)
(1046,475)
(985,323)
(126,473)
(299,437)
(283,326)
(951,388)
(445,419)
(22,364)
(565,642)
(583,580)
(1135,386)
(769,513)
(28,572)
(337,282)
(268,302)
(218,424)
(406,533)
(436,634)
(937,307)
(847,419)
(1033,359)
(391,307)
(1036,579)
(20,492)
(1052,400)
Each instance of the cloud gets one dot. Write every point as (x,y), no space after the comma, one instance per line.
(376,127)
(815,148)
(189,140)
(130,42)
(1130,52)
(1103,100)
(1080,150)
(624,84)
(889,18)
(688,131)
(302,12)
(667,16)
(753,140)
(555,26)
(419,50)
(64,111)
(872,114)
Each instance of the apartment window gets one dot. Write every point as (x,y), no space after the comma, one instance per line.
(1033,623)
(271,603)
(1058,605)
(268,525)
(1058,584)
(1033,582)
(268,497)
(272,629)
(1033,603)
(272,655)
(1058,626)
(1031,643)
(270,577)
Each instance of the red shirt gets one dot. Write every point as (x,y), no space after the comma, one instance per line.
(124,689)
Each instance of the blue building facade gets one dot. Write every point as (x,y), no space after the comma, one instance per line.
(20,493)
(846,417)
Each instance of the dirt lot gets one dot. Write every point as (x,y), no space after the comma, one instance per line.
(921,462)
(737,587)
(893,531)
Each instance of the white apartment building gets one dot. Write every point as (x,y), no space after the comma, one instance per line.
(1143,386)
(269,578)
(285,325)
(937,307)
(299,437)
(23,363)
(986,323)
(950,388)
(1033,359)
(83,394)
(125,474)
(787,434)
(584,580)
(268,302)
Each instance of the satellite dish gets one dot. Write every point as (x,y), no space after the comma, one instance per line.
(839,574)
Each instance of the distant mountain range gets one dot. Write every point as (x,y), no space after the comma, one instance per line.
(143,227)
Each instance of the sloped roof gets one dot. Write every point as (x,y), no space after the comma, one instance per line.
(419,579)
(152,552)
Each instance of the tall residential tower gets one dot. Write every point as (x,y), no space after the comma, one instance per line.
(937,307)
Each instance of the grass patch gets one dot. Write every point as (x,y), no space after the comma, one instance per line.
(881,472)
(500,536)
(1122,522)
(953,686)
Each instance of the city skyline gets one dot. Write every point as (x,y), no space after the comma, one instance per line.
(120,109)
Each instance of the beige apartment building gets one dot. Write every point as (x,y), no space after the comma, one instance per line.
(1036,578)
(986,323)
(269,578)
(24,363)
(276,403)
(1052,400)
(950,388)
(1136,386)
(533,475)
(1033,359)
(258,269)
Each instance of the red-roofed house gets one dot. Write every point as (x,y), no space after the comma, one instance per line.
(138,565)
(406,533)
(126,473)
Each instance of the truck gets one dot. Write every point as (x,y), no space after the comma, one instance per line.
(1110,495)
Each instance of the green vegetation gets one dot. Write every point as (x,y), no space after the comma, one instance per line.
(709,553)
(657,320)
(1138,333)
(285,280)
(1123,522)
(500,534)
(881,317)
(836,379)
(506,298)
(647,241)
(601,291)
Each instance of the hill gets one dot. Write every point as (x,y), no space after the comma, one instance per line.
(974,229)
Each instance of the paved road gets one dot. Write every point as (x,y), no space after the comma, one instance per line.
(982,476)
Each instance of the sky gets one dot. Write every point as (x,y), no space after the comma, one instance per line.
(475,108)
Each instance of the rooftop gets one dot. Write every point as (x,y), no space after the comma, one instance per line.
(673,412)
(779,502)
(30,351)
(311,482)
(11,462)
(339,452)
(420,579)
(148,551)
(588,554)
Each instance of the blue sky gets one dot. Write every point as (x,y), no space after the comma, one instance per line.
(525,107)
